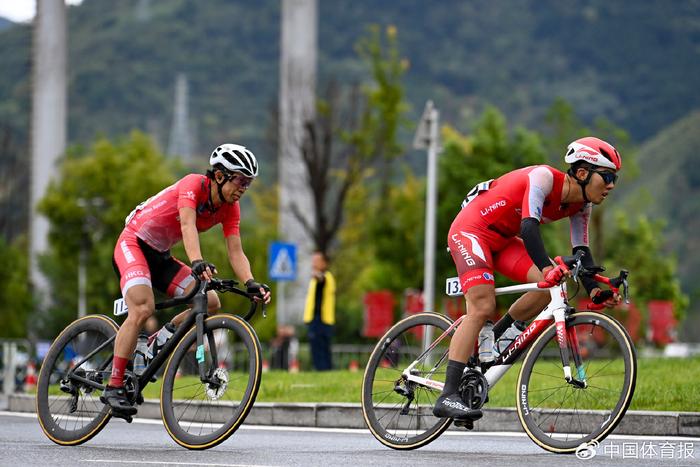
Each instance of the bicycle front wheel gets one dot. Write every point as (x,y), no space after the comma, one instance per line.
(67,398)
(560,416)
(398,412)
(200,415)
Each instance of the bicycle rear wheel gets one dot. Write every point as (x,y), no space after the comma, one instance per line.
(559,416)
(69,410)
(201,415)
(399,413)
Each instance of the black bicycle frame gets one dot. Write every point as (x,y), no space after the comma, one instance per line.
(198,298)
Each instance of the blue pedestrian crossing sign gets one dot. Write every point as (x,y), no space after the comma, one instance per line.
(282,265)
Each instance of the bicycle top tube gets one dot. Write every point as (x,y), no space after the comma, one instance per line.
(454,289)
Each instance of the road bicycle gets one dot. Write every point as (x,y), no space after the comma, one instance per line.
(211,377)
(575,382)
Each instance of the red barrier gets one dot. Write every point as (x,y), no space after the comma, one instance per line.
(662,324)
(379,313)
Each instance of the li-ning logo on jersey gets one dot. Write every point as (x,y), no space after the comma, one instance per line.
(127,252)
(476,248)
(493,207)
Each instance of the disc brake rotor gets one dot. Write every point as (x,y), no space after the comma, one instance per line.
(215,391)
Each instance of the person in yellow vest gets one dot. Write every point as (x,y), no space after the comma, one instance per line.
(319,312)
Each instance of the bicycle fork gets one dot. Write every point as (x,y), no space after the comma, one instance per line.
(568,348)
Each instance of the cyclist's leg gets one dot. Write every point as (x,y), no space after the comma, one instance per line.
(177,276)
(135,282)
(514,262)
(473,262)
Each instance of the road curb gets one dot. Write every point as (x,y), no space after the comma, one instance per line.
(327,415)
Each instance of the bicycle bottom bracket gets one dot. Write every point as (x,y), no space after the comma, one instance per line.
(216,390)
(474,389)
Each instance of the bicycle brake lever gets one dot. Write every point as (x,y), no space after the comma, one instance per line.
(625,293)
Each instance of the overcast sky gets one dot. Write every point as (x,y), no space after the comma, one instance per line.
(23,10)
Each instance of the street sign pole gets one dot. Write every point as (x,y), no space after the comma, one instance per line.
(427,137)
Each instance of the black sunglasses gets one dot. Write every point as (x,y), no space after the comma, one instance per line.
(607,176)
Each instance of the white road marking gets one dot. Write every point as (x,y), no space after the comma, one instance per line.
(140,462)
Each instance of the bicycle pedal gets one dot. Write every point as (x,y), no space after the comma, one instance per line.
(464,423)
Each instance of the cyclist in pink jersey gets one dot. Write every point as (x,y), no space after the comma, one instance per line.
(142,257)
(498,229)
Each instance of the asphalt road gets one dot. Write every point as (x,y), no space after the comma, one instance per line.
(146,442)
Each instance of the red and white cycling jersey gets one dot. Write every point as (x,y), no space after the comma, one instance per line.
(156,221)
(483,236)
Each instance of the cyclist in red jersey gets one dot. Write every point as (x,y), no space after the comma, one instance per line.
(498,229)
(142,257)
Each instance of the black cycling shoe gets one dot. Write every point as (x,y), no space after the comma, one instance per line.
(116,398)
(452,406)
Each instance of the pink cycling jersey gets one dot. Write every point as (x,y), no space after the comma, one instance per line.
(156,223)
(484,235)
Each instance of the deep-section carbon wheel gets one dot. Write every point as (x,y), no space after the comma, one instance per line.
(200,415)
(68,407)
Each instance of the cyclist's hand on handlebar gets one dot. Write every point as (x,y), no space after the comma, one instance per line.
(260,292)
(553,275)
(203,269)
(606,298)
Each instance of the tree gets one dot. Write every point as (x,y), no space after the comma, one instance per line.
(86,207)
(352,132)
(16,301)
(635,246)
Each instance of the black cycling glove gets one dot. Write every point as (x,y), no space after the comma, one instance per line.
(253,287)
(602,296)
(199,266)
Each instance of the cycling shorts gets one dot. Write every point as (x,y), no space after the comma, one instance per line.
(476,259)
(136,263)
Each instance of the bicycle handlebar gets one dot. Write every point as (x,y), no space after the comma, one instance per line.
(574,264)
(220,285)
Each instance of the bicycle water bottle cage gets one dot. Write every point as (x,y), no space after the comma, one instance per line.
(474,389)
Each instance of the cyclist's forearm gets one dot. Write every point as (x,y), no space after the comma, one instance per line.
(190,240)
(240,265)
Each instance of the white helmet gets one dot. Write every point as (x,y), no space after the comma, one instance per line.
(234,158)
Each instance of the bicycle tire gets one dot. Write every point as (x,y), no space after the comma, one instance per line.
(53,407)
(560,418)
(382,405)
(188,405)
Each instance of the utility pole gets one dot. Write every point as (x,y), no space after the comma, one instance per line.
(48,130)
(296,106)
(428,137)
(180,143)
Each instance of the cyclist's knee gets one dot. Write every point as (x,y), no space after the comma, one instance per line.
(213,302)
(141,312)
(141,303)
(481,305)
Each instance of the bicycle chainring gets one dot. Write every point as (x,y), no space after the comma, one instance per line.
(474,389)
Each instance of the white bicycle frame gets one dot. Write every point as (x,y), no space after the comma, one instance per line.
(556,310)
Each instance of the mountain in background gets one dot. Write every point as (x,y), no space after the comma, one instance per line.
(668,188)
(634,62)
(5,23)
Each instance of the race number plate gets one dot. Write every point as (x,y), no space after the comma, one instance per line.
(120,307)
(452,287)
